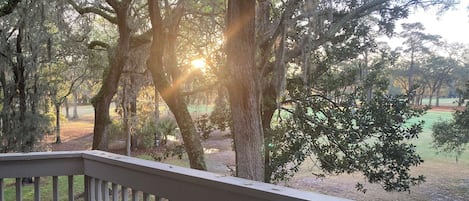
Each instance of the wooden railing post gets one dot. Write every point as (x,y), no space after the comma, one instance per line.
(125,194)
(2,197)
(70,188)
(37,191)
(92,189)
(55,188)
(86,194)
(19,189)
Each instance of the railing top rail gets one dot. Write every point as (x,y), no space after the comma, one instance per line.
(153,177)
(41,155)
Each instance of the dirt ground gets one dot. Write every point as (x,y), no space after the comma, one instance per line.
(443,181)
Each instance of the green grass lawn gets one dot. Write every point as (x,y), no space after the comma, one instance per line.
(443,101)
(46,189)
(424,142)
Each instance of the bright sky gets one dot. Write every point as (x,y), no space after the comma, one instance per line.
(452,25)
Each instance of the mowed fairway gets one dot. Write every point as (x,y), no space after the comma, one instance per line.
(446,178)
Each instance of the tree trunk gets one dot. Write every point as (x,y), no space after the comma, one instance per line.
(132,102)
(58,140)
(102,100)
(243,89)
(157,117)
(75,105)
(101,119)
(24,141)
(6,123)
(269,105)
(410,77)
(125,114)
(430,98)
(67,109)
(178,107)
(169,93)
(438,95)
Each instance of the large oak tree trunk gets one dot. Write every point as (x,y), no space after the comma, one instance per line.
(243,89)
(269,105)
(170,93)
(102,100)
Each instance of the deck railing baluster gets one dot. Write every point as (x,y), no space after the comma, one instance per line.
(115,192)
(99,190)
(2,197)
(106,190)
(92,189)
(134,195)
(70,188)
(146,197)
(19,190)
(55,188)
(37,191)
(86,194)
(125,194)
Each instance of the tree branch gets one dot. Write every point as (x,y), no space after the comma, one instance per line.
(336,26)
(94,44)
(200,89)
(142,39)
(90,9)
(8,7)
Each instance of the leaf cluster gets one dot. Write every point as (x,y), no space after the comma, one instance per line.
(452,136)
(358,134)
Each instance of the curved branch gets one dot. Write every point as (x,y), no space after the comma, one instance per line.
(142,39)
(94,44)
(90,9)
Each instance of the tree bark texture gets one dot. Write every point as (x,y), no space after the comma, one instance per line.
(58,140)
(75,105)
(102,100)
(243,89)
(171,93)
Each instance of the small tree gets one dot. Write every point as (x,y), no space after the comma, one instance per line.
(453,135)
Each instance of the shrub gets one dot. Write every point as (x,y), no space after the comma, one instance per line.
(203,126)
(166,127)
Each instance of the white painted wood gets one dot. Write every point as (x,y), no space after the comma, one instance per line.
(146,197)
(19,189)
(32,167)
(37,189)
(70,188)
(55,188)
(99,193)
(125,193)
(134,195)
(168,181)
(92,189)
(86,184)
(115,192)
(105,191)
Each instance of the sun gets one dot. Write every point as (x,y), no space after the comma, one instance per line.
(199,64)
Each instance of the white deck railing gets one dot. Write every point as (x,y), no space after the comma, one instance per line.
(115,177)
